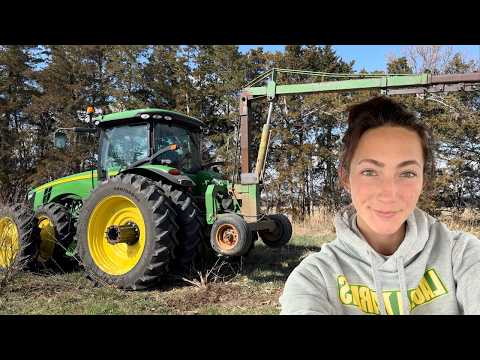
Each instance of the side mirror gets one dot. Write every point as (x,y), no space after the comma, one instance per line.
(60,140)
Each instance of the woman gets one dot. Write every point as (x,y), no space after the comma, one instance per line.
(385,244)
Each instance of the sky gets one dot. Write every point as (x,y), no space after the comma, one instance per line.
(373,57)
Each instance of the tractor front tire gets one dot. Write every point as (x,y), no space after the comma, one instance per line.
(54,234)
(230,236)
(127,200)
(17,245)
(282,233)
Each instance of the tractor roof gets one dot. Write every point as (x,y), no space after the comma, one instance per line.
(103,119)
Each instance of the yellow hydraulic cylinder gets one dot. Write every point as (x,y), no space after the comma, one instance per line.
(262,150)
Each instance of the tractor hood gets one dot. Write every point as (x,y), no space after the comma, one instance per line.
(68,179)
(160,169)
(79,186)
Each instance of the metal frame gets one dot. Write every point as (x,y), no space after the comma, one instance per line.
(394,84)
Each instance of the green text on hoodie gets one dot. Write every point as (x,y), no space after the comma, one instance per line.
(433,271)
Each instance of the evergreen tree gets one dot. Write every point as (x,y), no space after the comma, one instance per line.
(74,77)
(398,66)
(17,87)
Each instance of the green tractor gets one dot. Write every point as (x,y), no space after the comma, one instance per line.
(149,205)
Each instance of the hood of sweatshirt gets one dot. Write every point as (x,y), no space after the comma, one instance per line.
(416,236)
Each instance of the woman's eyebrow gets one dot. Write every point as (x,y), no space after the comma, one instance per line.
(380,164)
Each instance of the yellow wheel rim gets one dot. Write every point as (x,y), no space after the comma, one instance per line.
(115,259)
(9,241)
(47,238)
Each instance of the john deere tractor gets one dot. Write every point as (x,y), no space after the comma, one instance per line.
(149,205)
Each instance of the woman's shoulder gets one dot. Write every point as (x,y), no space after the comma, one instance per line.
(464,245)
(321,258)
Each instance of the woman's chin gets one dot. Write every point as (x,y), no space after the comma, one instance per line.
(385,227)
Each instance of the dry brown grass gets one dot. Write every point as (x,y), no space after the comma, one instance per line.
(467,220)
(321,223)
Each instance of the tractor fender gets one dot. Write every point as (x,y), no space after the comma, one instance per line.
(154,174)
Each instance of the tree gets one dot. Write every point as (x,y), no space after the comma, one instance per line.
(306,128)
(72,78)
(428,58)
(16,90)
(398,66)
(127,72)
(458,65)
(218,73)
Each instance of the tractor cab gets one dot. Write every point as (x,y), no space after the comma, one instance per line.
(152,136)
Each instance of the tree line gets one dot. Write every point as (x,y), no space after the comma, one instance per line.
(43,88)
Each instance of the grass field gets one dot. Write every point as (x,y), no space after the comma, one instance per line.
(250,287)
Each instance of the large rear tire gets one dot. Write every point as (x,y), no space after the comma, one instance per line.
(190,222)
(55,234)
(127,200)
(17,246)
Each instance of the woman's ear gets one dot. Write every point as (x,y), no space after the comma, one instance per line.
(344,179)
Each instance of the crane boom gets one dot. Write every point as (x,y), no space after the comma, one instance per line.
(388,84)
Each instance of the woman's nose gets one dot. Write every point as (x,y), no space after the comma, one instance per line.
(387,189)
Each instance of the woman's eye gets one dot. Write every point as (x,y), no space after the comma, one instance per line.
(368,172)
(409,174)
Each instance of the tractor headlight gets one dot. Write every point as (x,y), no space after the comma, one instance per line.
(30,195)
(145,116)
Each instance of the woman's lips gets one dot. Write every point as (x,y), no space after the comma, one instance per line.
(385,214)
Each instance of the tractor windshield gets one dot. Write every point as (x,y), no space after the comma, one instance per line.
(123,145)
(187,156)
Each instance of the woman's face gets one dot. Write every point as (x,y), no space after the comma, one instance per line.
(386,177)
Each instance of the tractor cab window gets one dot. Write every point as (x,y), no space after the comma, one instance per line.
(123,145)
(187,155)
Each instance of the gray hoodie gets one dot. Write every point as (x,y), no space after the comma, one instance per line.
(433,271)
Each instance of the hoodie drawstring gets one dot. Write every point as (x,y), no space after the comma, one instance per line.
(403,285)
(378,285)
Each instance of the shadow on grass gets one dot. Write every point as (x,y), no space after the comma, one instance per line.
(272,265)
(262,265)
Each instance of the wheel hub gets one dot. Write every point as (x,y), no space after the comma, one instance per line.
(227,236)
(128,233)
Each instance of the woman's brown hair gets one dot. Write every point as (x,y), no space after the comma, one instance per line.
(382,111)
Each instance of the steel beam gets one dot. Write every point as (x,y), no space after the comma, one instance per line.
(245,117)
(433,89)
